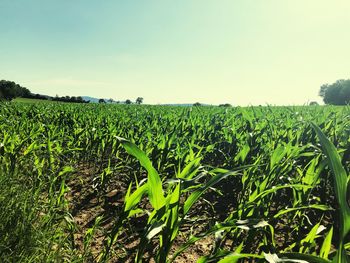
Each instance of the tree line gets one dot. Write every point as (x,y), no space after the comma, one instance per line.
(10,90)
(337,93)
(139,100)
(74,99)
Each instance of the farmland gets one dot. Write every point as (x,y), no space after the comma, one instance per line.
(124,183)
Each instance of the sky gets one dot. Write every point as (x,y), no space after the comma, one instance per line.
(243,52)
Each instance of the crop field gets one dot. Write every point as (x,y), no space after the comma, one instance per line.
(138,183)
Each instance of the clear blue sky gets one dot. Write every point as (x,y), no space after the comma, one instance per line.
(177,51)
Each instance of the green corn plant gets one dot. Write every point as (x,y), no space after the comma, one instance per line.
(169,213)
(284,187)
(341,183)
(227,226)
(89,235)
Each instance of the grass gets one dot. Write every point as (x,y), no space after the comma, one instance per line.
(27,100)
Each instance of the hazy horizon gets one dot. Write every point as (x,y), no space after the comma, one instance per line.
(213,52)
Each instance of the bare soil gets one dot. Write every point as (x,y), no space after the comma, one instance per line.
(87,203)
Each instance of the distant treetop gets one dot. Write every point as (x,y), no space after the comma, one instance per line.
(225,105)
(337,93)
(313,103)
(139,100)
(10,90)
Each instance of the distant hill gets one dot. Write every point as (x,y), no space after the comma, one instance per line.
(94,100)
(91,99)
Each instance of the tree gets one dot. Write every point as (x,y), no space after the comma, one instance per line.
(197,104)
(128,101)
(226,105)
(313,103)
(73,99)
(139,100)
(101,101)
(10,90)
(337,93)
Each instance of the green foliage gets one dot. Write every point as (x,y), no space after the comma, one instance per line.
(10,90)
(225,105)
(337,93)
(139,100)
(341,185)
(313,103)
(256,184)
